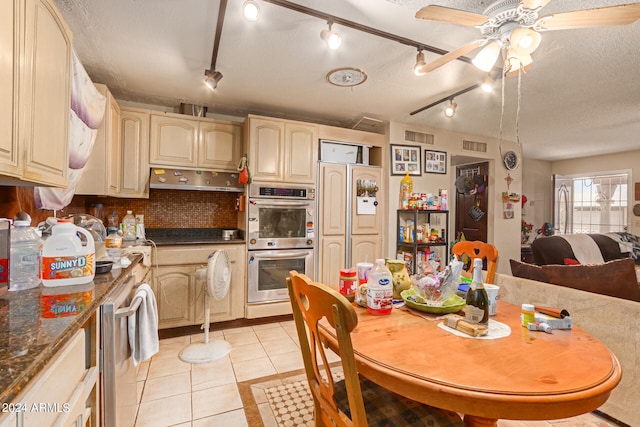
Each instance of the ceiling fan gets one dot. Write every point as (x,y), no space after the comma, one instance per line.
(511,28)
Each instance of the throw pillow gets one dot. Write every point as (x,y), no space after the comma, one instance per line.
(571,261)
(528,271)
(615,278)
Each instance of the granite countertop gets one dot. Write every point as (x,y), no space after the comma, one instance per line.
(190,236)
(28,341)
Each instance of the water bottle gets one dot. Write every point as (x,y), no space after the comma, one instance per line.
(24,259)
(113,222)
(129,226)
(380,289)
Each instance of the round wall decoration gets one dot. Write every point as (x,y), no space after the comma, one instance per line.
(636,209)
(510,160)
(346,77)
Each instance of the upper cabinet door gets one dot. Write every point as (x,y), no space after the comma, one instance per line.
(219,146)
(333,187)
(9,152)
(301,152)
(47,99)
(134,140)
(173,141)
(266,155)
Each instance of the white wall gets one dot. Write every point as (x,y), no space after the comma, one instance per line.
(503,233)
(536,185)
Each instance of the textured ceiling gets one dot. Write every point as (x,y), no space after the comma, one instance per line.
(581,96)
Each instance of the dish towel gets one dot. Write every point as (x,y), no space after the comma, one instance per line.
(143,326)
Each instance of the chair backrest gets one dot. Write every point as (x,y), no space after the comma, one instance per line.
(312,302)
(478,249)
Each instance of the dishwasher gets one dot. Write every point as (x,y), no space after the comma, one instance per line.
(118,379)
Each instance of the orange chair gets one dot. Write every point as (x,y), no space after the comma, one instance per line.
(342,403)
(478,249)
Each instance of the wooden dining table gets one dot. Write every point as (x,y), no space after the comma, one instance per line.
(526,375)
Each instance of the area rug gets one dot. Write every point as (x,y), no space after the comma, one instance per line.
(284,400)
(281,400)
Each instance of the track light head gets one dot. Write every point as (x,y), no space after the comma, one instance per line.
(489,82)
(333,38)
(250,10)
(450,110)
(212,78)
(418,69)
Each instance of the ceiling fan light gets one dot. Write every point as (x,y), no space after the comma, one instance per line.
(525,40)
(418,69)
(333,38)
(487,57)
(487,84)
(450,110)
(250,10)
(212,78)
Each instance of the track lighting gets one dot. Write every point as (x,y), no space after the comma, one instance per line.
(418,69)
(450,110)
(487,57)
(333,38)
(250,10)
(212,78)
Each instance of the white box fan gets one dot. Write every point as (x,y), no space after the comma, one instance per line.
(216,277)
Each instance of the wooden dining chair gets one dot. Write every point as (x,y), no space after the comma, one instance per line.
(342,403)
(478,249)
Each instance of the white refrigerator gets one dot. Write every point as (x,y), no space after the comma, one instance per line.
(350,211)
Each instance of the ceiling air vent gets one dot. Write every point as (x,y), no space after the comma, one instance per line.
(480,147)
(369,124)
(419,137)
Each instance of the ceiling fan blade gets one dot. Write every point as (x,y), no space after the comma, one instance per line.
(451,16)
(534,4)
(613,15)
(454,54)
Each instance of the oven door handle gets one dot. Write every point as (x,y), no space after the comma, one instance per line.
(280,204)
(282,254)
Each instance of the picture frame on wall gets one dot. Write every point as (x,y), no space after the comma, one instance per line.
(406,158)
(435,161)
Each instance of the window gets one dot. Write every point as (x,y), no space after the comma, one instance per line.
(594,203)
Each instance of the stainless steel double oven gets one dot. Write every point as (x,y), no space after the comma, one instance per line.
(280,236)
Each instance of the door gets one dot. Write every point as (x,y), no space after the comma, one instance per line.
(219,146)
(366,185)
(333,186)
(175,287)
(134,140)
(301,152)
(173,141)
(266,149)
(472,209)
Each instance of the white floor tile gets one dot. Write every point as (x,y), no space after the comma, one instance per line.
(251,369)
(287,361)
(170,385)
(235,418)
(284,345)
(165,412)
(243,353)
(272,334)
(244,338)
(212,374)
(216,400)
(164,366)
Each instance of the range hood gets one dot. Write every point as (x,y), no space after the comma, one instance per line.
(182,179)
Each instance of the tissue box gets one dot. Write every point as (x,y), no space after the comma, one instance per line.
(554,322)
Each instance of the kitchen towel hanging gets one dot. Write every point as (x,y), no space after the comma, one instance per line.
(143,326)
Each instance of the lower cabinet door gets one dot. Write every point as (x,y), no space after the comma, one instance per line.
(174,289)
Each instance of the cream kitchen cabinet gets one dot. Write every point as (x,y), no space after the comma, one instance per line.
(118,165)
(100,175)
(35,93)
(65,392)
(194,143)
(134,147)
(180,295)
(282,150)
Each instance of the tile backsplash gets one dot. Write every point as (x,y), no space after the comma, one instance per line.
(168,208)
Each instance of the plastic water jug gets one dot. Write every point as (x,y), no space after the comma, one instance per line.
(66,259)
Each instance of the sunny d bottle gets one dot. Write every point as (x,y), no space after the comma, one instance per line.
(380,290)
(66,258)
(477,310)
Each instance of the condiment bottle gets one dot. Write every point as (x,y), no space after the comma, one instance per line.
(477,310)
(528,314)
(406,188)
(348,282)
